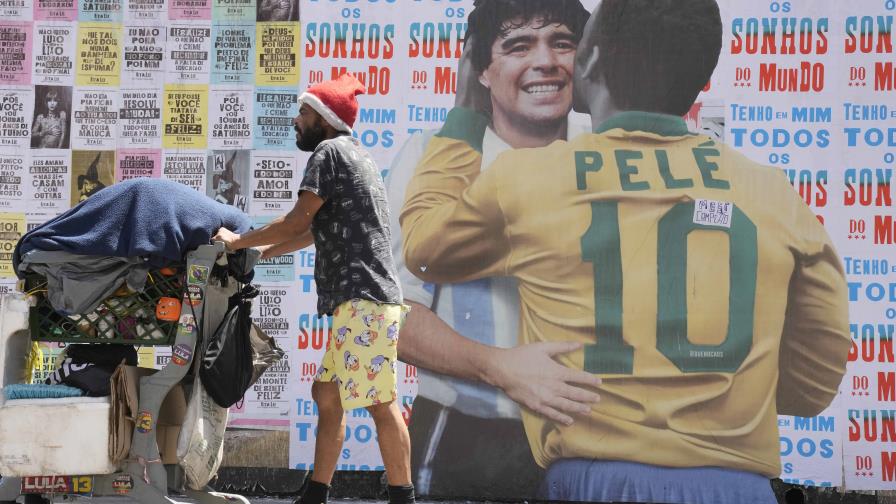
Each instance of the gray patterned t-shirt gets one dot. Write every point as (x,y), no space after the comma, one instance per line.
(351,229)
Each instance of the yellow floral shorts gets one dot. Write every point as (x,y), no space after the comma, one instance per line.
(362,352)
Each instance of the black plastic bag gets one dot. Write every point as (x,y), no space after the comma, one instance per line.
(226,369)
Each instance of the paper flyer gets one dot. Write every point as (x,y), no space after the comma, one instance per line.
(185,167)
(15,52)
(275,182)
(14,180)
(277,54)
(99,55)
(145,11)
(232,54)
(54,53)
(100,11)
(140,118)
(138,163)
(55,10)
(230,118)
(188,49)
(185,117)
(50,174)
(274,111)
(143,61)
(226,11)
(95,118)
(15,116)
(12,227)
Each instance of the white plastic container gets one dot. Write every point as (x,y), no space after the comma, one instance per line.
(44,437)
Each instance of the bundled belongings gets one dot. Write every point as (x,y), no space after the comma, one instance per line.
(116,236)
(90,367)
(150,316)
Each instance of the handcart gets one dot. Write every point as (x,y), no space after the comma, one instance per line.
(142,477)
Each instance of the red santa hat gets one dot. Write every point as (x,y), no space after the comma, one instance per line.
(335,100)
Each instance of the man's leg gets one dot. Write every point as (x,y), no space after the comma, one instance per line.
(395,447)
(330,430)
(328,444)
(395,443)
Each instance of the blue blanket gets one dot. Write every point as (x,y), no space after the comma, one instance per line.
(159,220)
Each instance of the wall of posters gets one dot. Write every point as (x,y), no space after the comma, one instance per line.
(204,92)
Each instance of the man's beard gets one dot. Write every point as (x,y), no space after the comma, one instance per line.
(310,138)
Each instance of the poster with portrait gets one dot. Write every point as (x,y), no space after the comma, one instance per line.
(277,10)
(51,121)
(91,172)
(228,177)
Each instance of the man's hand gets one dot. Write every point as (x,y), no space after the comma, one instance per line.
(227,236)
(529,375)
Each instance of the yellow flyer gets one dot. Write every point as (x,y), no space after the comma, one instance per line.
(99,54)
(146,357)
(185,116)
(12,227)
(277,54)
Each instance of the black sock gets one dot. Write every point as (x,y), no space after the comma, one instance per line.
(315,493)
(401,494)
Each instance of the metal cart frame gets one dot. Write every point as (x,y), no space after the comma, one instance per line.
(149,479)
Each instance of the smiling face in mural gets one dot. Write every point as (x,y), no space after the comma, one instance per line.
(530,75)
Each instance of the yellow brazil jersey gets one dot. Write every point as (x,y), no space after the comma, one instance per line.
(708,296)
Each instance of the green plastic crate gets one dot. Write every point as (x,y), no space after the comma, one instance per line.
(129,319)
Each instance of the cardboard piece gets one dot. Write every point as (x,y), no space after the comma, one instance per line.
(123,417)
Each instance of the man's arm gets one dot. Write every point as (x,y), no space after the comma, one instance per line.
(297,243)
(528,374)
(426,338)
(294,224)
(815,341)
(452,222)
